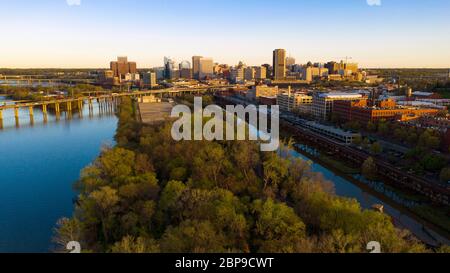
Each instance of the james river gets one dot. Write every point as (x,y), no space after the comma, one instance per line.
(39,164)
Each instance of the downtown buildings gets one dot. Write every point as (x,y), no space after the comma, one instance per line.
(279,64)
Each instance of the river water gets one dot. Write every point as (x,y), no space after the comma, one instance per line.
(39,163)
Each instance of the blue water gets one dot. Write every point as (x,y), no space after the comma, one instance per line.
(38,165)
(40,162)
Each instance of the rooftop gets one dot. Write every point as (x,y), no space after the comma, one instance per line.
(340,95)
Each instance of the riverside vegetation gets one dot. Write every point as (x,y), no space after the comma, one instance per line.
(150,194)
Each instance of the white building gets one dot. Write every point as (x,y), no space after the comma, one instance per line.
(294,101)
(323,103)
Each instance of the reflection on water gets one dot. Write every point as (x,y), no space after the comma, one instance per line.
(40,162)
(38,165)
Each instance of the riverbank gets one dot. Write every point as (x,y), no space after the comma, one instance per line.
(430,220)
(157,189)
(40,163)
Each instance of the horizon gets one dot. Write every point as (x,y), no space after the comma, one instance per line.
(377,34)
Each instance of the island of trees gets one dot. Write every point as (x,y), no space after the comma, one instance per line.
(150,194)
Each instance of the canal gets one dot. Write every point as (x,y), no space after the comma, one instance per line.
(39,163)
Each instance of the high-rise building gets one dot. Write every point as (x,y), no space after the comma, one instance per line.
(249,73)
(149,79)
(169,67)
(121,67)
(279,64)
(260,73)
(206,68)
(185,70)
(186,73)
(237,75)
(160,71)
(196,66)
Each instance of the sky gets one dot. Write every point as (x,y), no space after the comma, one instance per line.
(91,33)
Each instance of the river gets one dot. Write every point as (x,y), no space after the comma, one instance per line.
(40,162)
(38,165)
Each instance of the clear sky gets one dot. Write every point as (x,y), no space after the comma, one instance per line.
(61,33)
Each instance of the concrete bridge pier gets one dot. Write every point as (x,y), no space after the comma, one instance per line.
(69,110)
(57,111)
(31,111)
(16,116)
(80,107)
(44,112)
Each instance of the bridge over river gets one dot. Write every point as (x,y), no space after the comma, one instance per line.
(105,101)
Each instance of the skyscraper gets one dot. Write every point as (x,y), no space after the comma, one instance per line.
(185,70)
(169,66)
(206,68)
(149,79)
(122,67)
(196,66)
(279,64)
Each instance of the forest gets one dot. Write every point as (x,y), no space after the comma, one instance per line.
(150,194)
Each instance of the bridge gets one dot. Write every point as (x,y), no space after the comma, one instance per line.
(104,101)
(49,82)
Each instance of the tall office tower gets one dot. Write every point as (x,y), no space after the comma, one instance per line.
(279,64)
(149,79)
(185,70)
(196,66)
(169,66)
(249,73)
(122,67)
(206,68)
(260,73)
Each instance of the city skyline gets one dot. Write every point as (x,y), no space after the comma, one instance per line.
(65,36)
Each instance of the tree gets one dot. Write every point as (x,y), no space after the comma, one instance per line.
(67,230)
(358,140)
(383,127)
(376,148)
(208,163)
(132,245)
(369,169)
(277,228)
(117,163)
(433,162)
(193,236)
(428,140)
(372,127)
(445,175)
(101,205)
(275,170)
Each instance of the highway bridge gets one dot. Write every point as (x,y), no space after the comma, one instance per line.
(105,100)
